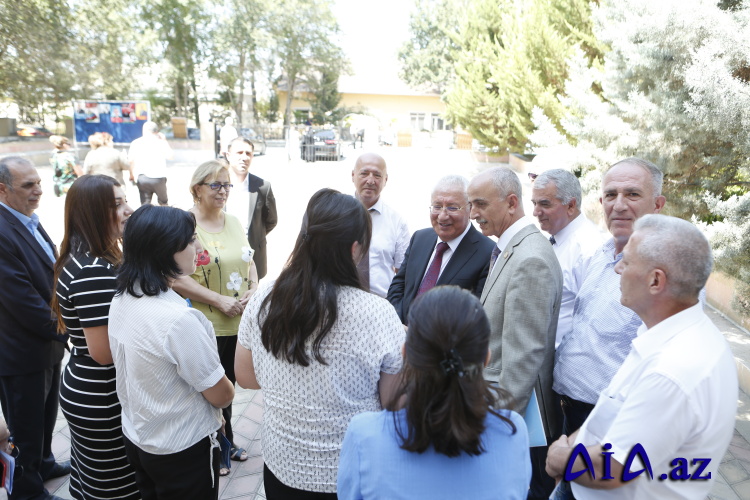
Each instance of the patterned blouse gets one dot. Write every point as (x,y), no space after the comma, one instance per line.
(307,409)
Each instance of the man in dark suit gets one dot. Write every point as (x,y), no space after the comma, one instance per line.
(31,350)
(522,300)
(261,205)
(455,252)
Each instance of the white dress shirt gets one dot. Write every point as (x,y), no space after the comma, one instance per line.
(390,239)
(676,395)
(574,246)
(452,245)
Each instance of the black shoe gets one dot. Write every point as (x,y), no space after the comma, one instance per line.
(58,470)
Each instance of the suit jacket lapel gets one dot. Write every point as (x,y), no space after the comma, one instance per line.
(464,252)
(30,239)
(254,188)
(503,259)
(423,258)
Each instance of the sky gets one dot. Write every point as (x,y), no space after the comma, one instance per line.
(372,34)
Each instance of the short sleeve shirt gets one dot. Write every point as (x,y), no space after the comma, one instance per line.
(307,409)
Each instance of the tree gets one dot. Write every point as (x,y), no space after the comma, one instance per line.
(325,96)
(675,89)
(512,59)
(178,24)
(304,32)
(35,68)
(427,59)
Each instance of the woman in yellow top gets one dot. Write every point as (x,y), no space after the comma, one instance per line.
(225,277)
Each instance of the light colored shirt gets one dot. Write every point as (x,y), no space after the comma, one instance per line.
(508,235)
(106,161)
(238,203)
(308,408)
(452,245)
(590,355)
(32,224)
(676,395)
(574,247)
(165,355)
(229,254)
(149,155)
(373,465)
(390,239)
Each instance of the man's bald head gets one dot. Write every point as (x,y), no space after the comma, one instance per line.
(369,177)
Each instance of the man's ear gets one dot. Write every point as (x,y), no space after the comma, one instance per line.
(657,281)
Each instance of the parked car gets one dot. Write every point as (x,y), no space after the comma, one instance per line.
(32,131)
(259,142)
(319,143)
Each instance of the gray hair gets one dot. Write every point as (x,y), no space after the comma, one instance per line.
(452,183)
(568,187)
(150,127)
(680,249)
(657,176)
(6,177)
(505,180)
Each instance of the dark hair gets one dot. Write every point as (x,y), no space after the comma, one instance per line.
(304,300)
(447,398)
(241,139)
(152,236)
(90,215)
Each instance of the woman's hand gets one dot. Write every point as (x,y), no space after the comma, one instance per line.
(229,306)
(246,296)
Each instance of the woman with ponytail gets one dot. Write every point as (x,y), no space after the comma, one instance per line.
(448,441)
(321,347)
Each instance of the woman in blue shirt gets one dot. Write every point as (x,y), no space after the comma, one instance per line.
(447,441)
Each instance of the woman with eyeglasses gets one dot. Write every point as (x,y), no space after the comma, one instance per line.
(226,276)
(448,440)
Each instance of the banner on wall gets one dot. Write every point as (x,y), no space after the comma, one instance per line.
(123,119)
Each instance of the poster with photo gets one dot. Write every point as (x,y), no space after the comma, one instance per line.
(115,113)
(128,112)
(92,112)
(79,110)
(141,111)
(103,108)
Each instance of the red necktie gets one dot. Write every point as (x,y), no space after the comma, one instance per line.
(433,272)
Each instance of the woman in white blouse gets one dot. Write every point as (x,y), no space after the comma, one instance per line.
(321,347)
(169,378)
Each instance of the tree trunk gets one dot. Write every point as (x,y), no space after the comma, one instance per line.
(288,109)
(241,96)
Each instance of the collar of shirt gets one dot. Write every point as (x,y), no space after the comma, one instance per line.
(514,228)
(377,206)
(25,219)
(650,340)
(565,233)
(453,244)
(608,248)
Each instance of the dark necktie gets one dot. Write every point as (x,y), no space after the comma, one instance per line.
(495,253)
(430,279)
(552,240)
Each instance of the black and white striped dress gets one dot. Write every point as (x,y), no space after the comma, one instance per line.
(88,396)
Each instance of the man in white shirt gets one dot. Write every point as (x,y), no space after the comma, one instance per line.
(669,410)
(522,300)
(556,195)
(390,234)
(148,157)
(451,252)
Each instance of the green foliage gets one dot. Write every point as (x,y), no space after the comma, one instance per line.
(162,108)
(513,59)
(325,96)
(427,59)
(675,89)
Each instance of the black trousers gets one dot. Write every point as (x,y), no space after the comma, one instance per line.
(575,414)
(148,186)
(30,404)
(190,473)
(227,347)
(276,490)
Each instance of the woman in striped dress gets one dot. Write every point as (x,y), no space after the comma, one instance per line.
(95,215)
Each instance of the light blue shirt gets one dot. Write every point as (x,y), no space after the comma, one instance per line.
(603,329)
(373,465)
(32,224)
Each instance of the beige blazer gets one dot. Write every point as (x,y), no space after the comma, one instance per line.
(522,300)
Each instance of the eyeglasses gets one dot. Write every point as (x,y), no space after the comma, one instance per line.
(218,185)
(533,176)
(451,209)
